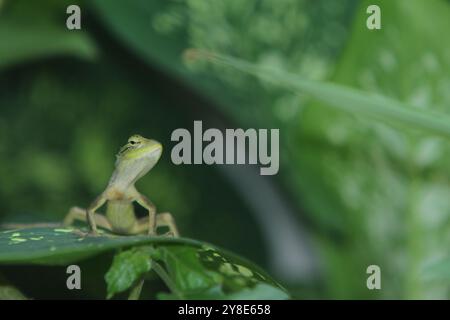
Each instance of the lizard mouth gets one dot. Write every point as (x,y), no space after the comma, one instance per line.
(124,149)
(156,149)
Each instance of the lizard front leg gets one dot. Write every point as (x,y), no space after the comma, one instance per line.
(150,207)
(76,213)
(90,212)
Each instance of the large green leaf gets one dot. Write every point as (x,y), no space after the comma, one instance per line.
(190,268)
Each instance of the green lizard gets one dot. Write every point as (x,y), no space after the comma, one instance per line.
(134,160)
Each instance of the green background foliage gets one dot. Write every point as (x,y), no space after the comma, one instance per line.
(361,190)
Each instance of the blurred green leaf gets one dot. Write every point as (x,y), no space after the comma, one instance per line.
(438,271)
(8,291)
(134,24)
(24,42)
(388,185)
(160,31)
(31,31)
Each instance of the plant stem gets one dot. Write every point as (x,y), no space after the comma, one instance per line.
(413,288)
(338,96)
(165,277)
(136,290)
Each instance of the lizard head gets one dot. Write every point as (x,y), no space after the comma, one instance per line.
(138,156)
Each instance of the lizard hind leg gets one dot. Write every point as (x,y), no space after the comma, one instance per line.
(164,219)
(79,214)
